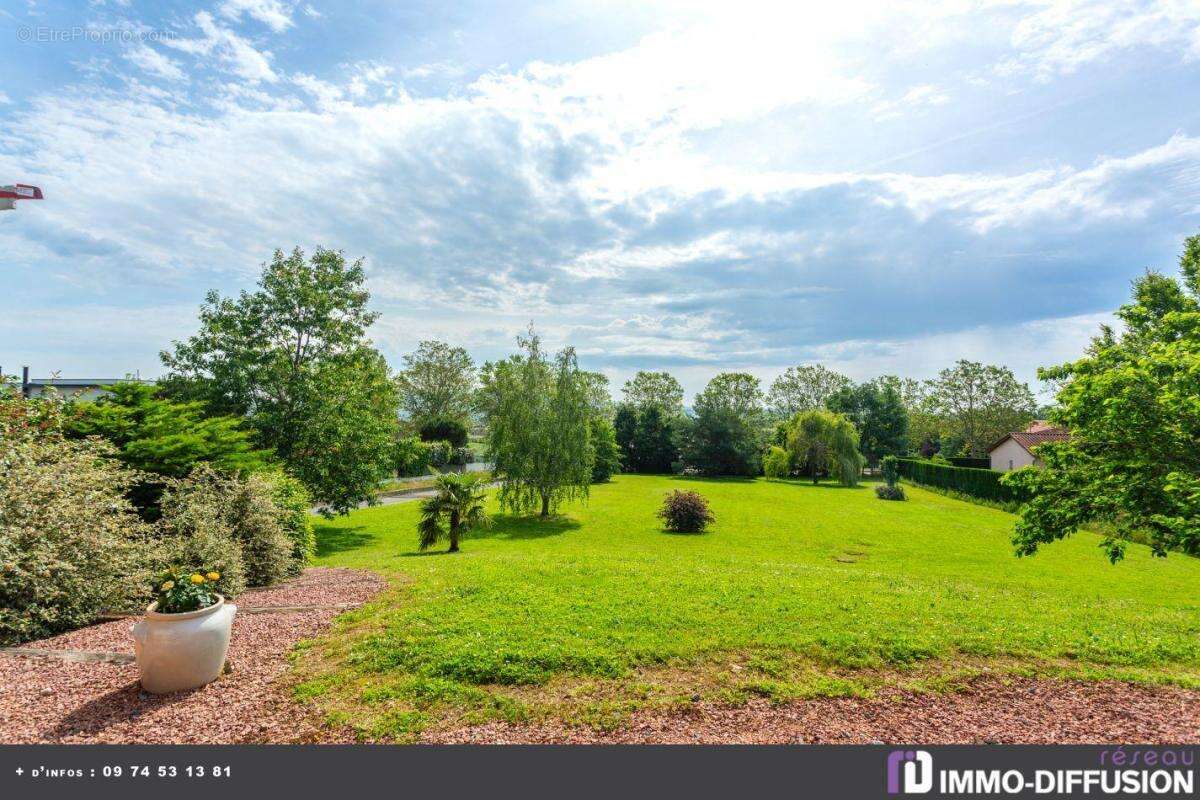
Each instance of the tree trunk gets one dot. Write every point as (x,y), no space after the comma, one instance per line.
(545,504)
(454,521)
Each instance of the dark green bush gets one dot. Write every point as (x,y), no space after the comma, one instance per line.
(890,468)
(411,457)
(685,512)
(442,429)
(982,483)
(294,502)
(892,492)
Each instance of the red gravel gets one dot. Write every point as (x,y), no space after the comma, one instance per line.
(991,711)
(52,701)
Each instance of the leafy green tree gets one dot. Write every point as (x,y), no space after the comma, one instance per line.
(1131,464)
(538,417)
(293,357)
(458,507)
(878,414)
(346,445)
(599,399)
(161,437)
(978,404)
(660,389)
(824,443)
(607,455)
(725,436)
(437,382)
(445,429)
(803,388)
(777,463)
(654,448)
(625,423)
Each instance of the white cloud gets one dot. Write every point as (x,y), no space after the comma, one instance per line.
(232,50)
(155,63)
(275,15)
(1064,35)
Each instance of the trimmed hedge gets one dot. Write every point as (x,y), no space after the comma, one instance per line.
(982,483)
(972,463)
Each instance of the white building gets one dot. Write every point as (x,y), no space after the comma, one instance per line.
(1015,450)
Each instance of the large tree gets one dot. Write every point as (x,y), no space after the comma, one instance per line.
(1132,406)
(538,413)
(977,404)
(803,388)
(437,382)
(726,433)
(824,443)
(654,449)
(164,439)
(878,413)
(293,357)
(647,389)
(625,422)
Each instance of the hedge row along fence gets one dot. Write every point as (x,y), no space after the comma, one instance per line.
(973,463)
(982,483)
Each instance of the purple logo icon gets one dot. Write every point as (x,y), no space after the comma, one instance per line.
(909,771)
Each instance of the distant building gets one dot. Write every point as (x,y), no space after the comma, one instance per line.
(1015,450)
(71,388)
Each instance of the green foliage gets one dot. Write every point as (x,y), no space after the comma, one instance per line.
(982,483)
(293,357)
(411,457)
(878,413)
(344,447)
(445,454)
(625,422)
(71,544)
(606,455)
(725,436)
(685,512)
(196,528)
(458,507)
(164,438)
(654,449)
(537,413)
(890,467)
(803,388)
(890,492)
(1132,465)
(824,443)
(444,429)
(178,591)
(437,382)
(777,463)
(293,502)
(659,389)
(976,404)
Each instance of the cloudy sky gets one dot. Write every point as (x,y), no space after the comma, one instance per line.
(880,187)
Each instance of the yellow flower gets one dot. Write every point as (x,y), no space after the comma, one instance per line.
(197,578)
(214,576)
(168,586)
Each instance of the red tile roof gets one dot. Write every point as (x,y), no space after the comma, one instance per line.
(1038,432)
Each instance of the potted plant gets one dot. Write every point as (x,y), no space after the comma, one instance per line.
(182,641)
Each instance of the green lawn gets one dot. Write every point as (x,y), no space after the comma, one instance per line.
(795,591)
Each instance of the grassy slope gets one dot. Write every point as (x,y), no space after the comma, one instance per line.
(796,590)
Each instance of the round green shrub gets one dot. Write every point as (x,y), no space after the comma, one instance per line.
(442,429)
(885,492)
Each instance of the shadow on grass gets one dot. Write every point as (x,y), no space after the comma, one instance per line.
(509,527)
(825,483)
(335,539)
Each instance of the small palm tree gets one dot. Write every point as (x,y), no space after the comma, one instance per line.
(460,501)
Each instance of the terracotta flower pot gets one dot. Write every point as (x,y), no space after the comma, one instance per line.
(182,651)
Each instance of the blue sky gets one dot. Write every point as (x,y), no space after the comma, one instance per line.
(879,187)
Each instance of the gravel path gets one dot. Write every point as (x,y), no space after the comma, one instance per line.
(991,711)
(54,701)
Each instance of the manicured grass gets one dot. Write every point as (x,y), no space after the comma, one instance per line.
(795,591)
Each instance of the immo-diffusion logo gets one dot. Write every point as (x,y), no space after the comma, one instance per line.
(909,771)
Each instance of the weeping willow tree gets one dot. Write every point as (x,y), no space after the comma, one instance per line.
(538,413)
(824,443)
